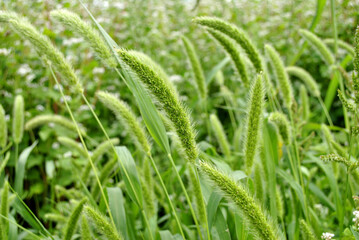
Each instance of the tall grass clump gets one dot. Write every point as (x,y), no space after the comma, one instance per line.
(235,33)
(196,67)
(253,122)
(3,128)
(240,197)
(43,47)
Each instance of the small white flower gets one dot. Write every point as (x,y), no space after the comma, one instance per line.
(71,41)
(327,236)
(5,51)
(40,108)
(55,145)
(51,125)
(24,69)
(68,154)
(67,98)
(30,77)
(98,70)
(175,78)
(356,220)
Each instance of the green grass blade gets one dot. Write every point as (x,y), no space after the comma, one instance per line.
(117,206)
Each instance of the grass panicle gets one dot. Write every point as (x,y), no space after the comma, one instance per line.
(127,118)
(240,197)
(18,119)
(85,30)
(220,135)
(253,122)
(198,197)
(85,229)
(306,78)
(335,158)
(304,99)
(43,47)
(196,67)
(74,218)
(168,99)
(319,46)
(101,223)
(3,128)
(4,210)
(258,182)
(147,185)
(232,50)
(346,46)
(282,77)
(306,231)
(282,123)
(349,105)
(235,33)
(40,120)
(72,144)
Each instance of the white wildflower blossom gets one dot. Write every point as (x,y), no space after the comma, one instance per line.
(40,108)
(98,70)
(175,78)
(5,51)
(327,236)
(71,41)
(67,98)
(68,154)
(24,69)
(356,220)
(55,145)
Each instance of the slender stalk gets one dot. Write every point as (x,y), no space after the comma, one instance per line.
(325,111)
(84,145)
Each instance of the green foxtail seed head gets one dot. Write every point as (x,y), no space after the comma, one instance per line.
(282,76)
(85,229)
(236,34)
(196,67)
(102,224)
(127,117)
(239,196)
(335,158)
(306,78)
(85,30)
(4,161)
(51,118)
(350,106)
(306,231)
(197,192)
(167,98)
(55,217)
(74,218)
(229,46)
(44,48)
(282,123)
(346,46)
(319,46)
(253,122)
(103,148)
(279,203)
(71,144)
(304,102)
(4,210)
(3,128)
(147,185)
(258,182)
(18,119)
(220,135)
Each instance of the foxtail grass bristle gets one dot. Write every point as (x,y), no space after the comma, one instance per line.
(258,182)
(281,75)
(18,119)
(74,218)
(319,46)
(220,135)
(236,34)
(85,30)
(344,45)
(3,128)
(168,99)
(44,48)
(240,197)
(232,50)
(102,224)
(55,119)
(349,105)
(196,67)
(306,78)
(306,231)
(85,229)
(253,122)
(127,117)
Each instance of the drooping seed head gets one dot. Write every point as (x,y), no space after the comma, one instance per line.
(306,78)
(18,119)
(282,123)
(74,217)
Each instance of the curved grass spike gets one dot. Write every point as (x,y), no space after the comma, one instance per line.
(4,210)
(306,78)
(74,218)
(220,135)
(346,46)
(253,122)
(281,75)
(55,217)
(127,118)
(101,223)
(241,198)
(350,106)
(304,102)
(167,98)
(306,231)
(147,184)
(51,118)
(229,46)
(71,144)
(85,30)
(18,119)
(356,49)
(282,123)
(196,68)
(44,48)
(3,128)
(319,46)
(235,33)
(85,229)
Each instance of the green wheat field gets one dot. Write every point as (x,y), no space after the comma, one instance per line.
(179,119)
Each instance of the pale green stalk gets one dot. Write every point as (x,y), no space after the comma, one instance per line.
(3,128)
(304,102)
(18,119)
